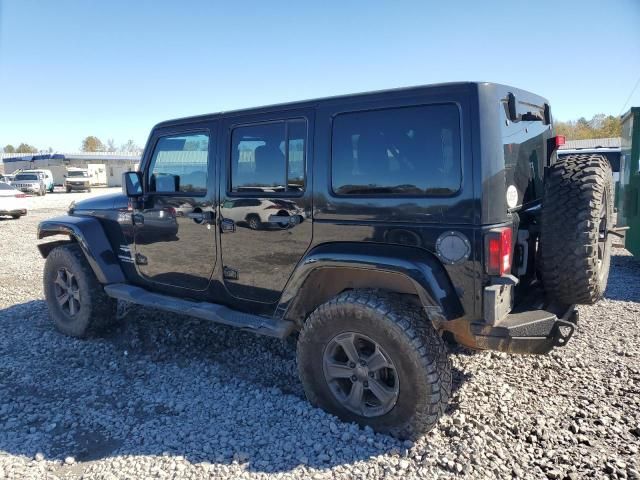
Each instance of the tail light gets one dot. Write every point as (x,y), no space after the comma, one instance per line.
(20,195)
(560,140)
(499,256)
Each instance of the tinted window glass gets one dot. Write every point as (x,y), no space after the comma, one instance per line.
(524,143)
(4,186)
(179,164)
(297,133)
(400,151)
(26,177)
(269,157)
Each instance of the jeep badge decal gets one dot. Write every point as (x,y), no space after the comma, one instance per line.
(512,196)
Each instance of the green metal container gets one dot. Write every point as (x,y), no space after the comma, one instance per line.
(628,202)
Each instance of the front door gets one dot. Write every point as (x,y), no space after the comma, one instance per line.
(266,202)
(175,242)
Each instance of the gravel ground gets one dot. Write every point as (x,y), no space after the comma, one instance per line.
(165,396)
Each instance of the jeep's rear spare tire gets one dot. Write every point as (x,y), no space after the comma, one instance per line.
(371,357)
(577,212)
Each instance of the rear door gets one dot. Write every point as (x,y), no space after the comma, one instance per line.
(175,242)
(265,201)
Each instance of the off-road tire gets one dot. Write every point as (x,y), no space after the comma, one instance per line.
(405,333)
(68,190)
(575,189)
(97,311)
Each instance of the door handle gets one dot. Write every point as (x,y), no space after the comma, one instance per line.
(138,219)
(201,217)
(197,216)
(290,219)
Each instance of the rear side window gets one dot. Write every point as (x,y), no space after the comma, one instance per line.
(269,157)
(179,164)
(411,151)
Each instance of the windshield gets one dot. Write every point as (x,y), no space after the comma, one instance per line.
(78,173)
(27,176)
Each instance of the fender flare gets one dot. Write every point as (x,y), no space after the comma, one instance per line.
(422,269)
(89,234)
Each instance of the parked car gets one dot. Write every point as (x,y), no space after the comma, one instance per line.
(48,177)
(261,214)
(30,183)
(77,179)
(12,201)
(430,212)
(7,177)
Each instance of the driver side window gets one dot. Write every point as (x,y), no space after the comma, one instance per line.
(179,164)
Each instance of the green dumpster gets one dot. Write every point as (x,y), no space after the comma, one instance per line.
(628,202)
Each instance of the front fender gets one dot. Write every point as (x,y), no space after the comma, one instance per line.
(424,271)
(89,234)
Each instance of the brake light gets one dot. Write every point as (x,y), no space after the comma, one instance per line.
(560,140)
(20,195)
(499,251)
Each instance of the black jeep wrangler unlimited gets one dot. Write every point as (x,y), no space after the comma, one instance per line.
(372,225)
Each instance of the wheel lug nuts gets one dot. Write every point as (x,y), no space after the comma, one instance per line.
(363,363)
(354,378)
(352,365)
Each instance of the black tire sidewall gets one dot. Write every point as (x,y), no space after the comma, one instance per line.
(415,389)
(80,324)
(603,273)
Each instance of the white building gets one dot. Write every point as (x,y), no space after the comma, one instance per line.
(106,168)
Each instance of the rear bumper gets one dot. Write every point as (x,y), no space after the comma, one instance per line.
(530,331)
(77,187)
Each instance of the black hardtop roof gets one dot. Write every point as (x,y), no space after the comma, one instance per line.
(399,92)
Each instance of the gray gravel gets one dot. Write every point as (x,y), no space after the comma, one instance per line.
(167,396)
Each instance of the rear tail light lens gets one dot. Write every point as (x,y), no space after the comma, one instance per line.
(560,140)
(499,255)
(20,195)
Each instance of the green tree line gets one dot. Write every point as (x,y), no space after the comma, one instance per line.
(89,144)
(600,126)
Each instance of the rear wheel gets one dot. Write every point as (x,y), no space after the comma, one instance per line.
(68,190)
(372,358)
(577,213)
(77,303)
(254,222)
(15,216)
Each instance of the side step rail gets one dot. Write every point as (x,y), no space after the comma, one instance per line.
(207,311)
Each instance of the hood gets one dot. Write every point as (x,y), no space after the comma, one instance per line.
(110,201)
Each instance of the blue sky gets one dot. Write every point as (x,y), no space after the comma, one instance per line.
(114,68)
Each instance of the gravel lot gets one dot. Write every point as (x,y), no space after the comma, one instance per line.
(165,396)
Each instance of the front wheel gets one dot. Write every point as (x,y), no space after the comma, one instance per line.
(372,358)
(77,303)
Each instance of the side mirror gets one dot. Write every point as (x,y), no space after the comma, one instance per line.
(132,184)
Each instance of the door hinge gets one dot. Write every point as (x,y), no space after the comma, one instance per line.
(227,226)
(141,259)
(230,273)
